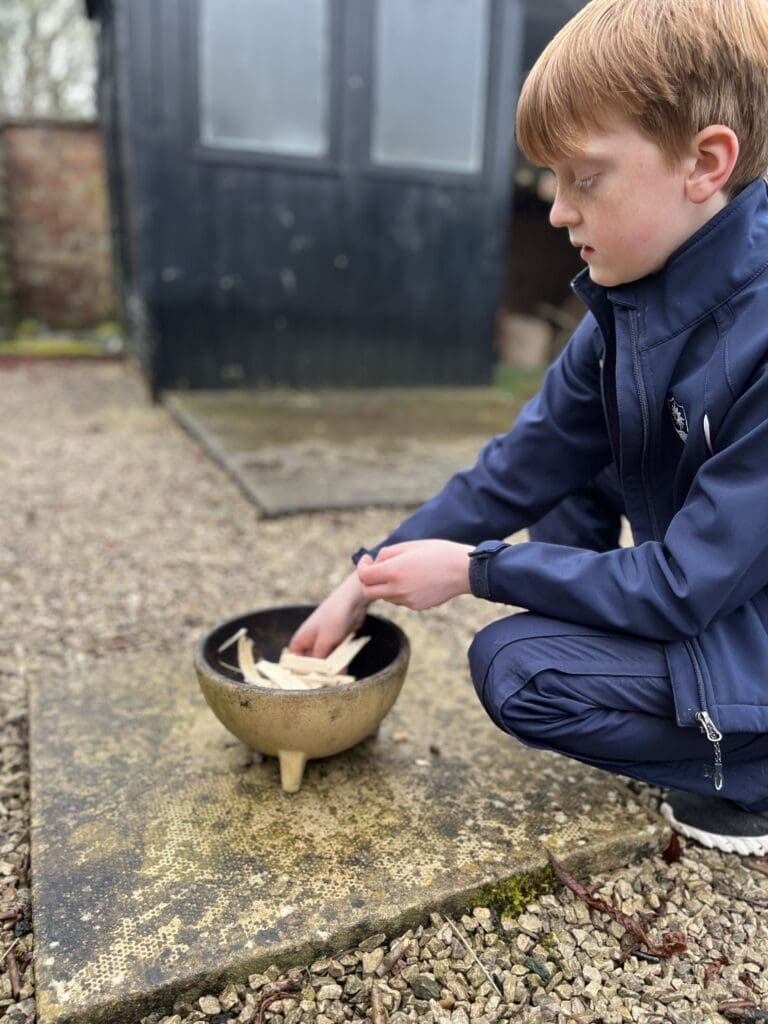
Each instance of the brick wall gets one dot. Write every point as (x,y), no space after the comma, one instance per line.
(58,232)
(6,305)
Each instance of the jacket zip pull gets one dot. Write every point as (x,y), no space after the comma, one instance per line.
(707,434)
(714,736)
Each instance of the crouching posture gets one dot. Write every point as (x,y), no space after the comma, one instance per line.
(649,661)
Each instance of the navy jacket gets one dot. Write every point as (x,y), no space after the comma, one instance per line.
(667,377)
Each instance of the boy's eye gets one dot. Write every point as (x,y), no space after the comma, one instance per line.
(583,184)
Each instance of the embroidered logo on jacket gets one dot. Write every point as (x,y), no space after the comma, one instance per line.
(679,419)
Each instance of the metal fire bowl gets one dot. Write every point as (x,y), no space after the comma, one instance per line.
(297,725)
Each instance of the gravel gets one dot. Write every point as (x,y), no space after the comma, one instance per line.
(118,534)
(555,962)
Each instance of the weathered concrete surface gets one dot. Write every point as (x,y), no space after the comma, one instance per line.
(305,451)
(163,865)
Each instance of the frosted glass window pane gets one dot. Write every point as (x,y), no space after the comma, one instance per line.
(430,73)
(264,74)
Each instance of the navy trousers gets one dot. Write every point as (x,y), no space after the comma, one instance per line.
(601,697)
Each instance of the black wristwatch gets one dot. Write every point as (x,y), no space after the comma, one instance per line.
(478,566)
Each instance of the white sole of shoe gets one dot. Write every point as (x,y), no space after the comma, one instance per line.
(747,846)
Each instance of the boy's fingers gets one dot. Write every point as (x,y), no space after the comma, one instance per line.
(314,645)
(303,639)
(373,573)
(391,552)
(368,565)
(324,644)
(376,591)
(299,646)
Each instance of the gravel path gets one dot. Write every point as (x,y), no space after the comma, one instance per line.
(118,533)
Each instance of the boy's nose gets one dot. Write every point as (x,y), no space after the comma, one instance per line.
(563,214)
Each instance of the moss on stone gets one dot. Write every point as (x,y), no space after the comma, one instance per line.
(55,346)
(511,897)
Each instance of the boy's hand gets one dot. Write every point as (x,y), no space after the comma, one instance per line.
(418,573)
(341,613)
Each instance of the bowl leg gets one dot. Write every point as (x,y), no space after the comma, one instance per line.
(291,769)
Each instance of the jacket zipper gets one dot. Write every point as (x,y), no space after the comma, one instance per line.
(706,724)
(611,416)
(608,425)
(714,736)
(707,434)
(639,384)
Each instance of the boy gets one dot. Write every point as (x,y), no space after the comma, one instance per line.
(649,661)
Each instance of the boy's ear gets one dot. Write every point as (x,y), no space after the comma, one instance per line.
(714,151)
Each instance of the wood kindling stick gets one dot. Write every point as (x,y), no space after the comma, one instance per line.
(294,671)
(345,652)
(245,659)
(326,681)
(304,665)
(279,676)
(232,640)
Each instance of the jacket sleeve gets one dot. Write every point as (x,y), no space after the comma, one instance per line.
(712,559)
(558,442)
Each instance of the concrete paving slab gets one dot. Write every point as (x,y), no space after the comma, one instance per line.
(165,866)
(309,451)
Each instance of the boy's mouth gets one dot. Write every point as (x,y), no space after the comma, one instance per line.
(586,251)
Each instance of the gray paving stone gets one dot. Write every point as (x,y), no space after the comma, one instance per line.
(297,452)
(165,866)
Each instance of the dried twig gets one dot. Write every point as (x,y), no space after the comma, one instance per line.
(389,961)
(757,865)
(377,1009)
(13,972)
(633,949)
(732,894)
(742,1011)
(672,942)
(276,991)
(461,938)
(641,954)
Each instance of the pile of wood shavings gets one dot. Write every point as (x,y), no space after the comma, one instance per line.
(293,671)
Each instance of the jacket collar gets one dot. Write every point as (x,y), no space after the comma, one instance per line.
(711,266)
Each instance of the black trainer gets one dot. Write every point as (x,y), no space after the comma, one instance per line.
(716,823)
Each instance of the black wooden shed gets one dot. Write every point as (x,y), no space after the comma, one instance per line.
(310,192)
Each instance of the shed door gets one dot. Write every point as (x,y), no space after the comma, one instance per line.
(358,157)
